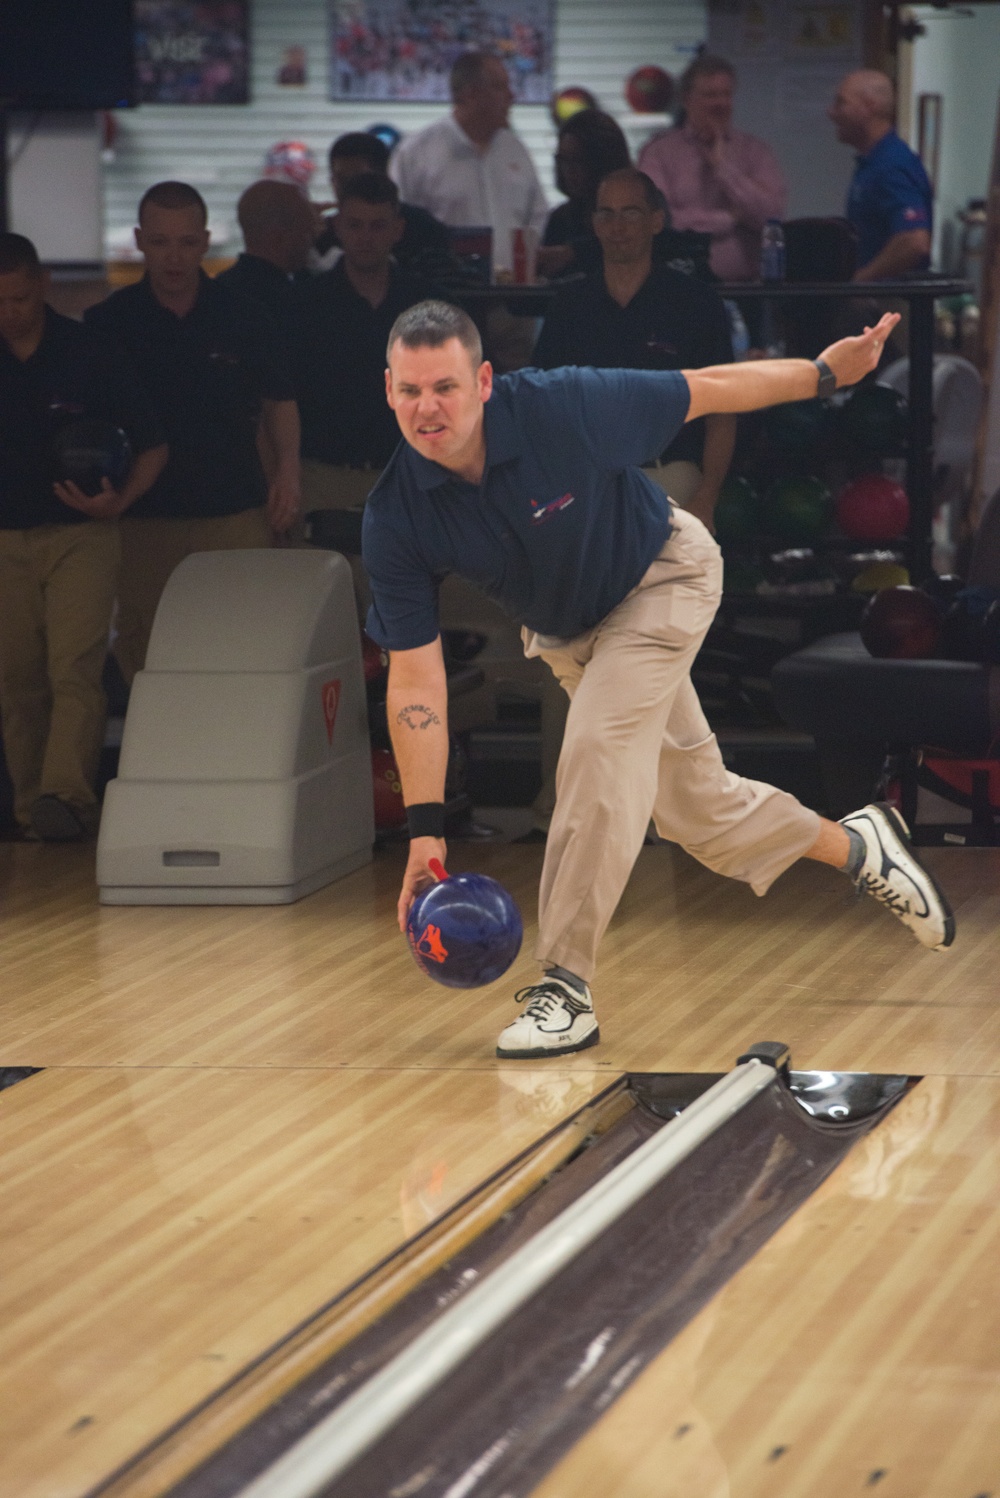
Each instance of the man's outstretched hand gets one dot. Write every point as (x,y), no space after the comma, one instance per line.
(418,872)
(852,358)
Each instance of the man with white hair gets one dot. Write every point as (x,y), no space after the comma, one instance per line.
(889,200)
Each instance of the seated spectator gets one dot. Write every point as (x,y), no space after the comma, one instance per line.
(637,313)
(590,145)
(471,168)
(279,226)
(213,364)
(59,547)
(715,179)
(424,245)
(340,328)
(890,198)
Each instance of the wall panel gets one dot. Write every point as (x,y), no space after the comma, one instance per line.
(220,149)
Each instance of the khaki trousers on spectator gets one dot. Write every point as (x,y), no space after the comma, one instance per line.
(678,480)
(637,746)
(151,549)
(57,592)
(330,486)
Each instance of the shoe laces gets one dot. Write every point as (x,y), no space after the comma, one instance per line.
(884,893)
(541,998)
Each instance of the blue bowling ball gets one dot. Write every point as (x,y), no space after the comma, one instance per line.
(464,931)
(86,452)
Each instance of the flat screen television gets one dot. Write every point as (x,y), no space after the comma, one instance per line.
(66,54)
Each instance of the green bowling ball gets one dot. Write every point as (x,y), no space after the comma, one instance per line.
(798,510)
(737,512)
(798,426)
(874,420)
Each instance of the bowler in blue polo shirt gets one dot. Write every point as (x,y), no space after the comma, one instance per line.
(890,197)
(531,486)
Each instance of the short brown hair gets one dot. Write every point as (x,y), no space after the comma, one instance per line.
(18,253)
(370,187)
(432,324)
(655,201)
(467,71)
(362,146)
(705,65)
(173,195)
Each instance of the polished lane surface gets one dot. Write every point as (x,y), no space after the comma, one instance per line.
(242,1110)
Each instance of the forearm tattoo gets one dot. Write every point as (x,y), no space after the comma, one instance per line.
(417,716)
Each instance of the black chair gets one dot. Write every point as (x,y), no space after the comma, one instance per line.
(860,709)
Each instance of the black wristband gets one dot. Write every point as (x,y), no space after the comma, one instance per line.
(827,379)
(426,819)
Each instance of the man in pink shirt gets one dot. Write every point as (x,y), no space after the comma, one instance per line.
(717,180)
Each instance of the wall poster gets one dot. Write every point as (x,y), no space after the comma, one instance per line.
(192,51)
(404,49)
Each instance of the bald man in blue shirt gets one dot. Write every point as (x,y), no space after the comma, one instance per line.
(531,486)
(890,198)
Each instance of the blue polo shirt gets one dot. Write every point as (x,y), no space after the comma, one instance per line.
(890,193)
(564,522)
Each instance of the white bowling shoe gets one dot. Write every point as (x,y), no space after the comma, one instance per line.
(556,1020)
(893,875)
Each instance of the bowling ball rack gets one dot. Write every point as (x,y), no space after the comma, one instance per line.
(534,1302)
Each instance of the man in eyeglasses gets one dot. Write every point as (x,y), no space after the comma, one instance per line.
(637,313)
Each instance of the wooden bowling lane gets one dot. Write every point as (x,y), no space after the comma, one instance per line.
(692,967)
(244,1109)
(858,1352)
(163,1227)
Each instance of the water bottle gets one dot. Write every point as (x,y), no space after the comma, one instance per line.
(772,251)
(738,332)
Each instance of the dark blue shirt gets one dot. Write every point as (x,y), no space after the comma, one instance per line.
(74,374)
(206,375)
(564,522)
(890,193)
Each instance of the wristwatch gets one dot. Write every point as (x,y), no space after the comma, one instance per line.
(827,379)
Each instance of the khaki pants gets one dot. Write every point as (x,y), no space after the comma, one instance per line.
(679,481)
(328,486)
(57,592)
(637,746)
(151,549)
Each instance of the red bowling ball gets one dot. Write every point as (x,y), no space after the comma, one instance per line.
(873,508)
(901,624)
(649,90)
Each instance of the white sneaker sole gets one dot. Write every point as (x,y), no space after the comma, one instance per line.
(538,1053)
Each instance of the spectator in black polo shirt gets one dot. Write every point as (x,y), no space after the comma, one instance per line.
(341,323)
(210,359)
(424,245)
(59,547)
(640,314)
(279,226)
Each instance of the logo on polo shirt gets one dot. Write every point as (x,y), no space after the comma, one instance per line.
(911,214)
(544,512)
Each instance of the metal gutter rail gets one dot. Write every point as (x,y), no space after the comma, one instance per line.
(350,1430)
